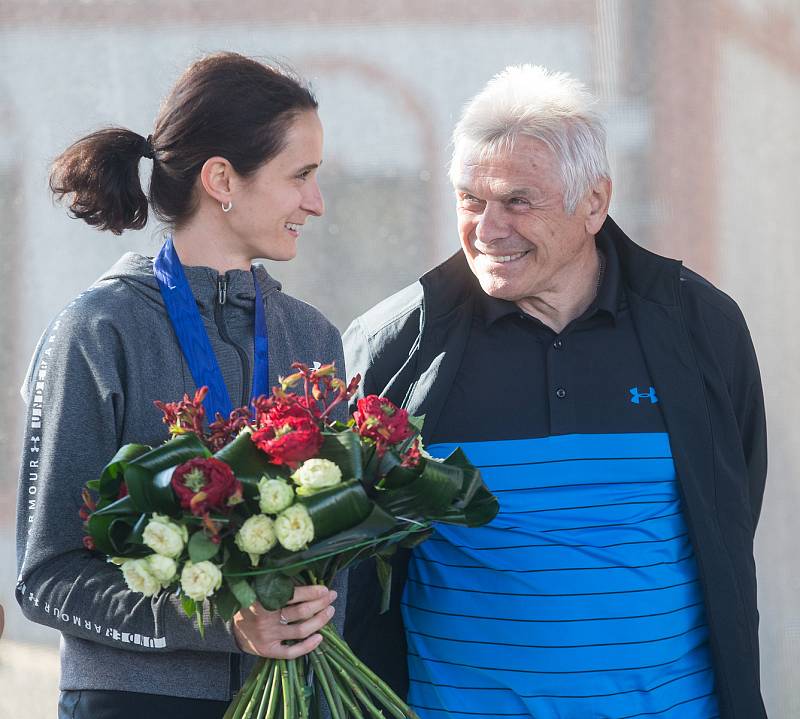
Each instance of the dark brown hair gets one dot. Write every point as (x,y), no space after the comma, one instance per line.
(224,104)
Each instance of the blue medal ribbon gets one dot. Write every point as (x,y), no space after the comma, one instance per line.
(193,338)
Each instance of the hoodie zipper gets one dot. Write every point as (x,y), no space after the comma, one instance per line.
(234,667)
(222,298)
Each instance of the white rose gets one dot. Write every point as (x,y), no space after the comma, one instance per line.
(162,568)
(139,578)
(200,580)
(256,536)
(294,528)
(274,495)
(316,474)
(165,537)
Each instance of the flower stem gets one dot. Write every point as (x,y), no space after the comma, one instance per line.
(348,697)
(319,672)
(361,694)
(332,680)
(295,670)
(239,703)
(258,691)
(266,692)
(274,692)
(349,660)
(287,689)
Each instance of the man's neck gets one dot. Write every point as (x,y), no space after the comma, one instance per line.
(569,297)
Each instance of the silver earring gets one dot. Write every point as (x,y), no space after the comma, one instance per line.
(227,206)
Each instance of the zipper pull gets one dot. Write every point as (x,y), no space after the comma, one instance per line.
(222,289)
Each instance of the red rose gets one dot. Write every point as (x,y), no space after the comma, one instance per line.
(379,419)
(291,441)
(272,411)
(204,484)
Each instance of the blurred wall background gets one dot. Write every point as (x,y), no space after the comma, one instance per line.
(701,98)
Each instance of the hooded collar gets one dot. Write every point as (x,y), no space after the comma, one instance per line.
(138,270)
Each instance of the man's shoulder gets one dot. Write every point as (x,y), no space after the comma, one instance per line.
(707,301)
(391,315)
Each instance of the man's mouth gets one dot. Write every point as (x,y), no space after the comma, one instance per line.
(292,226)
(505,258)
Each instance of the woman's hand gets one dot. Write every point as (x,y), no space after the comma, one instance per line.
(261,632)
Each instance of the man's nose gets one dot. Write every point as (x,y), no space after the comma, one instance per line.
(492,224)
(312,199)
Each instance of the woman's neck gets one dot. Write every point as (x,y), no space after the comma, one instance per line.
(203,242)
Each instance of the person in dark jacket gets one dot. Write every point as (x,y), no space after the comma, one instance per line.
(612,399)
(235,152)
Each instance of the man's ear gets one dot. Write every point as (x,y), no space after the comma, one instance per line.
(597,201)
(215,177)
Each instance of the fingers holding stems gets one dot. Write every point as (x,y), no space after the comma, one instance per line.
(262,632)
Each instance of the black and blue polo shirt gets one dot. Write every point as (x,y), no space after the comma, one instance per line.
(581,599)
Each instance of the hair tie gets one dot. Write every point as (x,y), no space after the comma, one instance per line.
(146,148)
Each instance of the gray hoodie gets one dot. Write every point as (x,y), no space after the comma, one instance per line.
(89,390)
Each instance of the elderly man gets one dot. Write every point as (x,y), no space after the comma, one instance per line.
(613,402)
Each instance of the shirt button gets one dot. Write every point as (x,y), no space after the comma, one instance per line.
(561,393)
(559,344)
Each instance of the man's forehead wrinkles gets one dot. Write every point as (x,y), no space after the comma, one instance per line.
(497,185)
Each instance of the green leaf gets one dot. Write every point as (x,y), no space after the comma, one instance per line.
(344,449)
(151,492)
(273,590)
(173,452)
(93,484)
(338,508)
(384,569)
(225,603)
(417,538)
(416,422)
(401,476)
(242,590)
(121,507)
(111,476)
(198,613)
(189,605)
(481,510)
(430,494)
(472,477)
(112,526)
(201,547)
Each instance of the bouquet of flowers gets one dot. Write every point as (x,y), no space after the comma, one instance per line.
(275,496)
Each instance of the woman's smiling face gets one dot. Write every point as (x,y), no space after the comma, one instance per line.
(271,206)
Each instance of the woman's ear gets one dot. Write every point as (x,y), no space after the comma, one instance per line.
(215,177)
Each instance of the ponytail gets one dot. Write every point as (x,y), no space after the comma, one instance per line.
(223,104)
(100,175)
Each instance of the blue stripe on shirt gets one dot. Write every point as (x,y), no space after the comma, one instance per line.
(580,599)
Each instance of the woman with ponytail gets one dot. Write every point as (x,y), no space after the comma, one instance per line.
(235,152)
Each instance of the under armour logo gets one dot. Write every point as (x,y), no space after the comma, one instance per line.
(637,396)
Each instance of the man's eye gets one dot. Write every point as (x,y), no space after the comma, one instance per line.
(470,201)
(518,201)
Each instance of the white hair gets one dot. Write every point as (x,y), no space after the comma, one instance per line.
(552,107)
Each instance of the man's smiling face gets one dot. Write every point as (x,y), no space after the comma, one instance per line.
(518,239)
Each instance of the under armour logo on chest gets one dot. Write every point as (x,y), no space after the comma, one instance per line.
(637,396)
